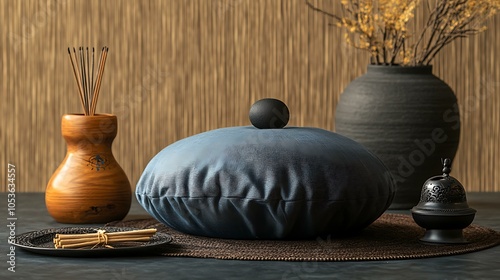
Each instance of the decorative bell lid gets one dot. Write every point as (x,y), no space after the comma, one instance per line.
(443,208)
(443,192)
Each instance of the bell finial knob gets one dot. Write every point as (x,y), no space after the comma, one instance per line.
(446,166)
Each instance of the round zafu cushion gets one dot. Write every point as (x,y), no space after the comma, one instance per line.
(249,183)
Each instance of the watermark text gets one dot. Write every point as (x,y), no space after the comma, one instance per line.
(11,218)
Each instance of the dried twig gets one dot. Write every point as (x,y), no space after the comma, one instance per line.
(380,26)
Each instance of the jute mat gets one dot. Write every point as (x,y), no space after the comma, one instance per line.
(391,237)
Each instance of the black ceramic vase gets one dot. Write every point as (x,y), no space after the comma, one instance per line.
(406,116)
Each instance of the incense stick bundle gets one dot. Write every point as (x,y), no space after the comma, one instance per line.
(101,238)
(83,69)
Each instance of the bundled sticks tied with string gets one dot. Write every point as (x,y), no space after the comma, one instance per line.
(101,238)
(84,70)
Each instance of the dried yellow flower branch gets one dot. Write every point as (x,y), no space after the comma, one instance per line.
(381,27)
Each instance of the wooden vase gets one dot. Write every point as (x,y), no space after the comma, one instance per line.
(89,186)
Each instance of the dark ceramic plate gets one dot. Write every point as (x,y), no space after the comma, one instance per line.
(41,242)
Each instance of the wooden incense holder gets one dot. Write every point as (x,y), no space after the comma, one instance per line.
(89,186)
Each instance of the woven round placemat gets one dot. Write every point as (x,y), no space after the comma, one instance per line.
(392,236)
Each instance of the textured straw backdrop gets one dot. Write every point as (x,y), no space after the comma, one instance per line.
(176,68)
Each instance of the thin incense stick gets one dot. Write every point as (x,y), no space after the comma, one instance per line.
(88,76)
(99,78)
(93,85)
(76,76)
(82,60)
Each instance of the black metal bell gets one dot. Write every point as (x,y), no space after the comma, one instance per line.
(443,210)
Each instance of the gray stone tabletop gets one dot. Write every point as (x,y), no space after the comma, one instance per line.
(32,215)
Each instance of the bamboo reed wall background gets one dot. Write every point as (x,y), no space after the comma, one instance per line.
(180,67)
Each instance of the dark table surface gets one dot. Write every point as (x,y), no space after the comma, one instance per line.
(32,215)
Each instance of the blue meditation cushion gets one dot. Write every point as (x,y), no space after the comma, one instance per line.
(250,183)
